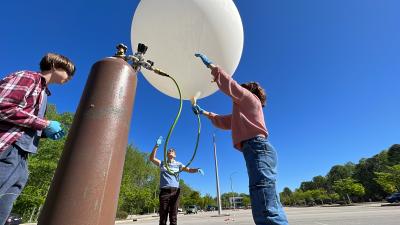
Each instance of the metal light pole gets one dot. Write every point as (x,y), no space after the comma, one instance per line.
(233,194)
(216,176)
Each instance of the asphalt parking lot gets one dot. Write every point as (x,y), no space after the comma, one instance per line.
(364,214)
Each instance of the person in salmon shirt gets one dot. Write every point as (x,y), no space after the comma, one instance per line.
(250,136)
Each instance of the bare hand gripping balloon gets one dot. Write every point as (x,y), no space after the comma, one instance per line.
(176,29)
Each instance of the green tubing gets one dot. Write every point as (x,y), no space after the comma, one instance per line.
(172,128)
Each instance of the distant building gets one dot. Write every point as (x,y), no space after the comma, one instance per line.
(236,201)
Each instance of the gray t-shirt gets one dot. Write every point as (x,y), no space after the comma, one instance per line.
(167,180)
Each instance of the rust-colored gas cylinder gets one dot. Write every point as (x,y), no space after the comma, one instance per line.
(86,184)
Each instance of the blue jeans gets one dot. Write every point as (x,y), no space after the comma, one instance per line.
(13,177)
(261,162)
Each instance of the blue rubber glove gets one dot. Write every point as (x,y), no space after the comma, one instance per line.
(52,129)
(197,110)
(57,135)
(204,58)
(159,141)
(200,171)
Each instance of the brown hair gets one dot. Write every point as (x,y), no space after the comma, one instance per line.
(256,89)
(57,61)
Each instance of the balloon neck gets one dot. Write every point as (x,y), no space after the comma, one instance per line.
(194,98)
(194,101)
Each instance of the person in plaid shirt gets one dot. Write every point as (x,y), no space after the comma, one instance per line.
(23,100)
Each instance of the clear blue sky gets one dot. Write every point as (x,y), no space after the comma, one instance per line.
(331,70)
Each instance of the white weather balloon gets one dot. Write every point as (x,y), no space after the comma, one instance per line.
(176,29)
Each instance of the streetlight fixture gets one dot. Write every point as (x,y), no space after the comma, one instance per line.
(217,179)
(233,194)
(216,176)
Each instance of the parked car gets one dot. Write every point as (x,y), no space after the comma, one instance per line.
(13,219)
(395,197)
(191,209)
(211,208)
(180,210)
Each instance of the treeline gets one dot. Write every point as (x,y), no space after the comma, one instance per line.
(139,187)
(371,179)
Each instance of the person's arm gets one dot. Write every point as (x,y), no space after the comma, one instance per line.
(193,170)
(14,91)
(190,170)
(153,158)
(228,85)
(153,153)
(220,121)
(225,82)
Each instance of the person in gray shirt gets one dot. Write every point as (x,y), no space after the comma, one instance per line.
(169,184)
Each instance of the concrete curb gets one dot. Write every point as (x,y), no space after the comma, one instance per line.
(141,218)
(133,218)
(390,204)
(138,218)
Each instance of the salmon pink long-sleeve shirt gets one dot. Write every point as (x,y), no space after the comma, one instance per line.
(247,118)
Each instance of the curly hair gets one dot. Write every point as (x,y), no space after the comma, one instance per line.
(57,61)
(256,89)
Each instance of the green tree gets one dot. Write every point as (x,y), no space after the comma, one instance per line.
(194,199)
(287,192)
(365,174)
(246,201)
(286,196)
(186,192)
(307,185)
(207,200)
(394,155)
(340,172)
(320,196)
(225,199)
(139,185)
(299,198)
(348,187)
(334,197)
(389,180)
(320,182)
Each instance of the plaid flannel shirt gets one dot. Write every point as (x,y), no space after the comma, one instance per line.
(20,98)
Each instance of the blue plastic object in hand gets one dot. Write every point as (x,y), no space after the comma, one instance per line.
(200,171)
(57,135)
(204,58)
(52,129)
(197,110)
(159,141)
